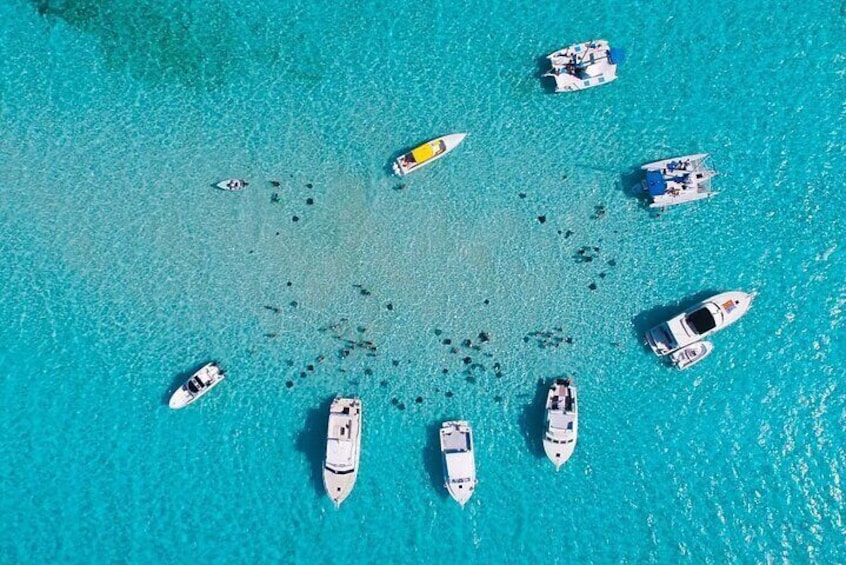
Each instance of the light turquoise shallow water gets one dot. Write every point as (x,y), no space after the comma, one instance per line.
(122,270)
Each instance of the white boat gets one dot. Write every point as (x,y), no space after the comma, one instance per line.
(232,185)
(199,384)
(427,153)
(692,354)
(584,65)
(561,421)
(678,180)
(699,321)
(458,459)
(343,448)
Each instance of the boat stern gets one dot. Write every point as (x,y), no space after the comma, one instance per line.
(661,340)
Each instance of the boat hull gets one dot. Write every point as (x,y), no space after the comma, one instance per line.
(405,163)
(343,449)
(678,180)
(662,164)
(232,185)
(561,422)
(660,202)
(183,396)
(675,333)
(460,493)
(458,459)
(557,453)
(339,487)
(582,66)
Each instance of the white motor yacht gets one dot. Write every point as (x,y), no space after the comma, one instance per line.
(699,321)
(458,459)
(199,384)
(561,422)
(343,448)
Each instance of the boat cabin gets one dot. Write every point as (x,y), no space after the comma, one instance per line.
(196,384)
(701,321)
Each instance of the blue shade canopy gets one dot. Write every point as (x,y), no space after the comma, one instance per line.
(655,183)
(616,56)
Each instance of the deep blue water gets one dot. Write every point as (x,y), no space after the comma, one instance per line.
(122,271)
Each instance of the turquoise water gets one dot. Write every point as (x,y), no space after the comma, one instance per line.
(122,271)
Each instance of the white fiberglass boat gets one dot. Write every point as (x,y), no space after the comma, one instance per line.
(561,422)
(427,153)
(584,65)
(199,384)
(232,185)
(692,354)
(678,180)
(458,459)
(343,448)
(699,321)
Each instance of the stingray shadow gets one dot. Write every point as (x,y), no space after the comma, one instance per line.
(531,419)
(631,183)
(179,380)
(630,179)
(648,319)
(541,68)
(311,441)
(432,460)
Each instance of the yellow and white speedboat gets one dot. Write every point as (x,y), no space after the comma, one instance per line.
(426,153)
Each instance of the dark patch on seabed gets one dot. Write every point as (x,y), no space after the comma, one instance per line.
(161,42)
(311,441)
(548,339)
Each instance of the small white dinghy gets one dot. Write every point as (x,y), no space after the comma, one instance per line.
(343,449)
(199,384)
(232,185)
(561,421)
(692,354)
(427,153)
(459,461)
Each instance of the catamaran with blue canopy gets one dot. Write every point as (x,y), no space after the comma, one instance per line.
(678,180)
(584,65)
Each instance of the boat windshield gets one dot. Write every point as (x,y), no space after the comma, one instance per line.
(702,321)
(192,387)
